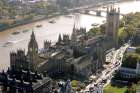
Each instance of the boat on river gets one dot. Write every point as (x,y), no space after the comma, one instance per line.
(38,26)
(25,31)
(104,7)
(15,33)
(94,24)
(9,43)
(52,21)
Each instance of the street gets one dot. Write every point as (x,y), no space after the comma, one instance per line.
(107,74)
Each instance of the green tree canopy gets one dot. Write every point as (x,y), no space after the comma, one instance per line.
(138,50)
(130,60)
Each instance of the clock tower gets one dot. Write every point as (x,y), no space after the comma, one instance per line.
(33,52)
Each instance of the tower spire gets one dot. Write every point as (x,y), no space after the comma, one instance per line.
(59,38)
(74,27)
(32,35)
(33,51)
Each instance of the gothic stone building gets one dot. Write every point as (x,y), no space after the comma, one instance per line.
(81,54)
(28,61)
(22,76)
(112,25)
(24,81)
(78,55)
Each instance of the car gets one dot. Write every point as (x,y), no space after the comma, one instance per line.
(104,80)
(112,67)
(90,81)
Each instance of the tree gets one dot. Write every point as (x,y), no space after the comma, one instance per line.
(75,83)
(122,35)
(138,50)
(132,89)
(64,3)
(103,28)
(130,60)
(41,4)
(94,31)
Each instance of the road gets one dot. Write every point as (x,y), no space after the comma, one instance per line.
(107,74)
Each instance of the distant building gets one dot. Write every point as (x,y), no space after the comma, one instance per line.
(129,72)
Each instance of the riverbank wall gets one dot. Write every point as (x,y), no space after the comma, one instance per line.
(26,22)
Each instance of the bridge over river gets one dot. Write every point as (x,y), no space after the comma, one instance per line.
(102,11)
(96,12)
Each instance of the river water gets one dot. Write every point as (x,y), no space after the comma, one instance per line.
(48,31)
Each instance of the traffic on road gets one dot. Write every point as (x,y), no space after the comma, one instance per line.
(114,58)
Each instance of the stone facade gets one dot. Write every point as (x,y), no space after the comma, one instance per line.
(24,81)
(18,59)
(112,26)
(130,72)
(32,54)
(77,55)
(27,61)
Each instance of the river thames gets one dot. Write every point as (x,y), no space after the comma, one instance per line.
(48,31)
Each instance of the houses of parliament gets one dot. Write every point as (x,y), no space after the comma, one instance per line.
(71,57)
